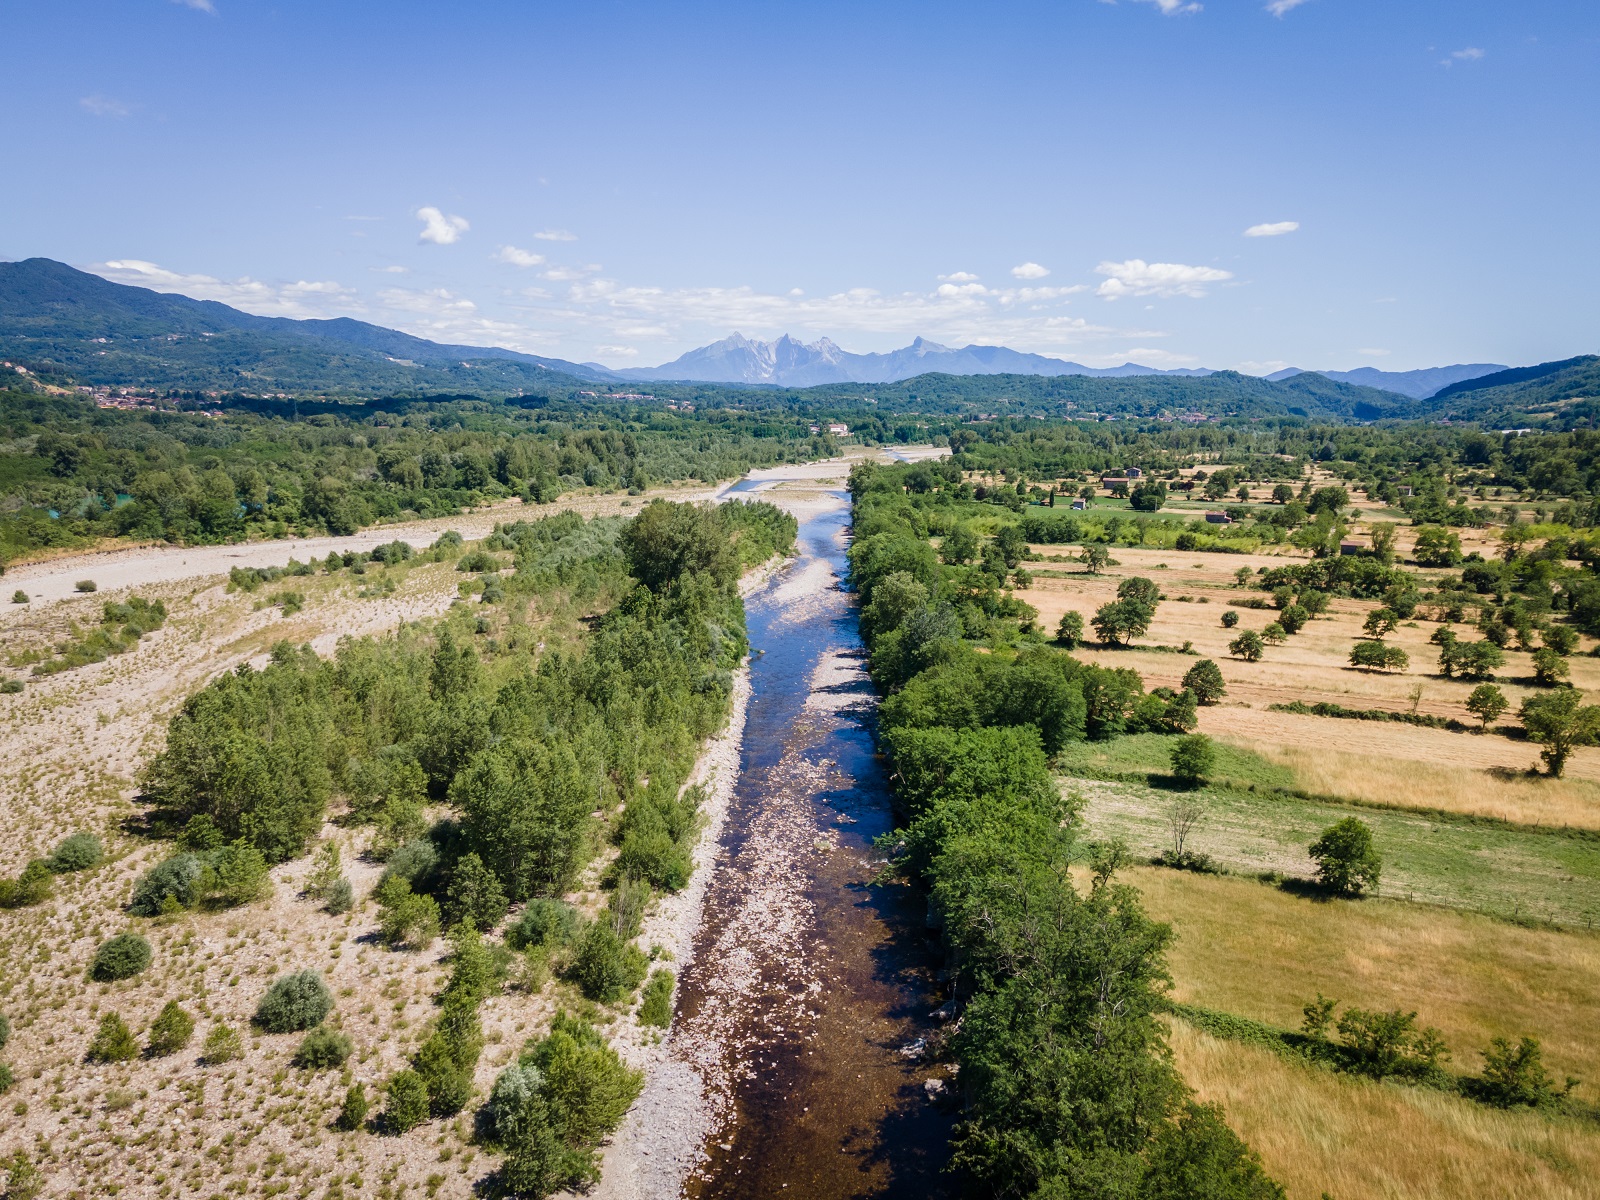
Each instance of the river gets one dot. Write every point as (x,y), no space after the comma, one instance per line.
(809,981)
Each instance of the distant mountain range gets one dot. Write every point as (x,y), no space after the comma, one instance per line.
(788,362)
(73,324)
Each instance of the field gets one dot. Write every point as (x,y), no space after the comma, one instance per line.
(1484,923)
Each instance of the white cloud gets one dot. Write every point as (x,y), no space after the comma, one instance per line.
(1139,278)
(103,106)
(440,229)
(201,5)
(304,298)
(1371,353)
(519,258)
(1173,8)
(570,274)
(1470,54)
(1029,270)
(1278,7)
(1250,367)
(959,277)
(618,351)
(393,269)
(1272,229)
(556,235)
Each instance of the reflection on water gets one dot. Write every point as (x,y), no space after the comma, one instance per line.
(812,980)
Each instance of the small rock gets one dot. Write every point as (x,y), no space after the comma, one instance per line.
(933,1088)
(914,1049)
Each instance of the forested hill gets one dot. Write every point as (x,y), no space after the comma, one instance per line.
(1567,392)
(62,322)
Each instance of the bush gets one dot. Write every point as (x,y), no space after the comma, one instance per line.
(1248,646)
(1229,619)
(1204,679)
(1549,668)
(543,923)
(170,1031)
(168,886)
(340,897)
(353,1112)
(1193,758)
(292,1003)
(77,852)
(607,968)
(5,1030)
(19,597)
(34,886)
(474,895)
(447,1061)
(23,1179)
(406,1102)
(515,1090)
(121,957)
(86,585)
(1516,1075)
(222,1044)
(322,1049)
(1293,619)
(406,918)
(656,1007)
(7,1079)
(10,687)
(1389,1043)
(113,1041)
(1069,630)
(1347,862)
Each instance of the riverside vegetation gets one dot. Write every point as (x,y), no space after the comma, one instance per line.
(980,702)
(493,776)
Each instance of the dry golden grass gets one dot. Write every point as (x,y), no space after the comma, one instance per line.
(1250,949)
(1356,1140)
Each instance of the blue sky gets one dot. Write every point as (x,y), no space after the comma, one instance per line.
(619,182)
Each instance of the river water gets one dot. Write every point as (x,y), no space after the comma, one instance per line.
(812,981)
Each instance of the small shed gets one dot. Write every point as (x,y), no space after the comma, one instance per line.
(1079,505)
(1218,518)
(1351,547)
(1133,472)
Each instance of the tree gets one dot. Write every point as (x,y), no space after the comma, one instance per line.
(1069,631)
(1282,493)
(474,895)
(1094,558)
(121,957)
(1376,656)
(407,1102)
(1119,622)
(113,1041)
(1274,634)
(1563,639)
(1199,1155)
(1293,619)
(1560,722)
(1347,862)
(1205,680)
(1549,668)
(292,1003)
(1515,1075)
(1379,622)
(353,1112)
(1248,646)
(667,541)
(1184,813)
(321,1049)
(1487,703)
(170,1031)
(960,546)
(1436,546)
(1229,619)
(1383,542)
(1148,495)
(1193,757)
(1138,588)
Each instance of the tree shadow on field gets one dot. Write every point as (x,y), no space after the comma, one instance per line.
(1310,889)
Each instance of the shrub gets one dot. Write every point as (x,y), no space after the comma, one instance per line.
(1549,668)
(19,597)
(1293,619)
(341,897)
(406,918)
(1515,1075)
(23,1180)
(5,1030)
(474,895)
(11,687)
(1347,862)
(222,1044)
(113,1041)
(1389,1043)
(1204,679)
(167,886)
(1274,634)
(322,1049)
(292,1003)
(33,886)
(607,968)
(170,1031)
(77,852)
(447,1060)
(1230,619)
(1193,758)
(543,923)
(353,1112)
(587,1086)
(656,1007)
(515,1090)
(406,1102)
(7,1079)
(121,957)
(86,585)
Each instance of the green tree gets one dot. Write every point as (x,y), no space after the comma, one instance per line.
(120,957)
(1380,622)
(1205,680)
(474,895)
(113,1041)
(1148,495)
(1560,722)
(1229,619)
(1549,668)
(1248,646)
(1436,546)
(292,1003)
(1487,703)
(353,1112)
(1193,758)
(1347,861)
(1119,622)
(1094,558)
(406,1102)
(1376,656)
(170,1031)
(1514,1075)
(1069,630)
(1293,619)
(667,541)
